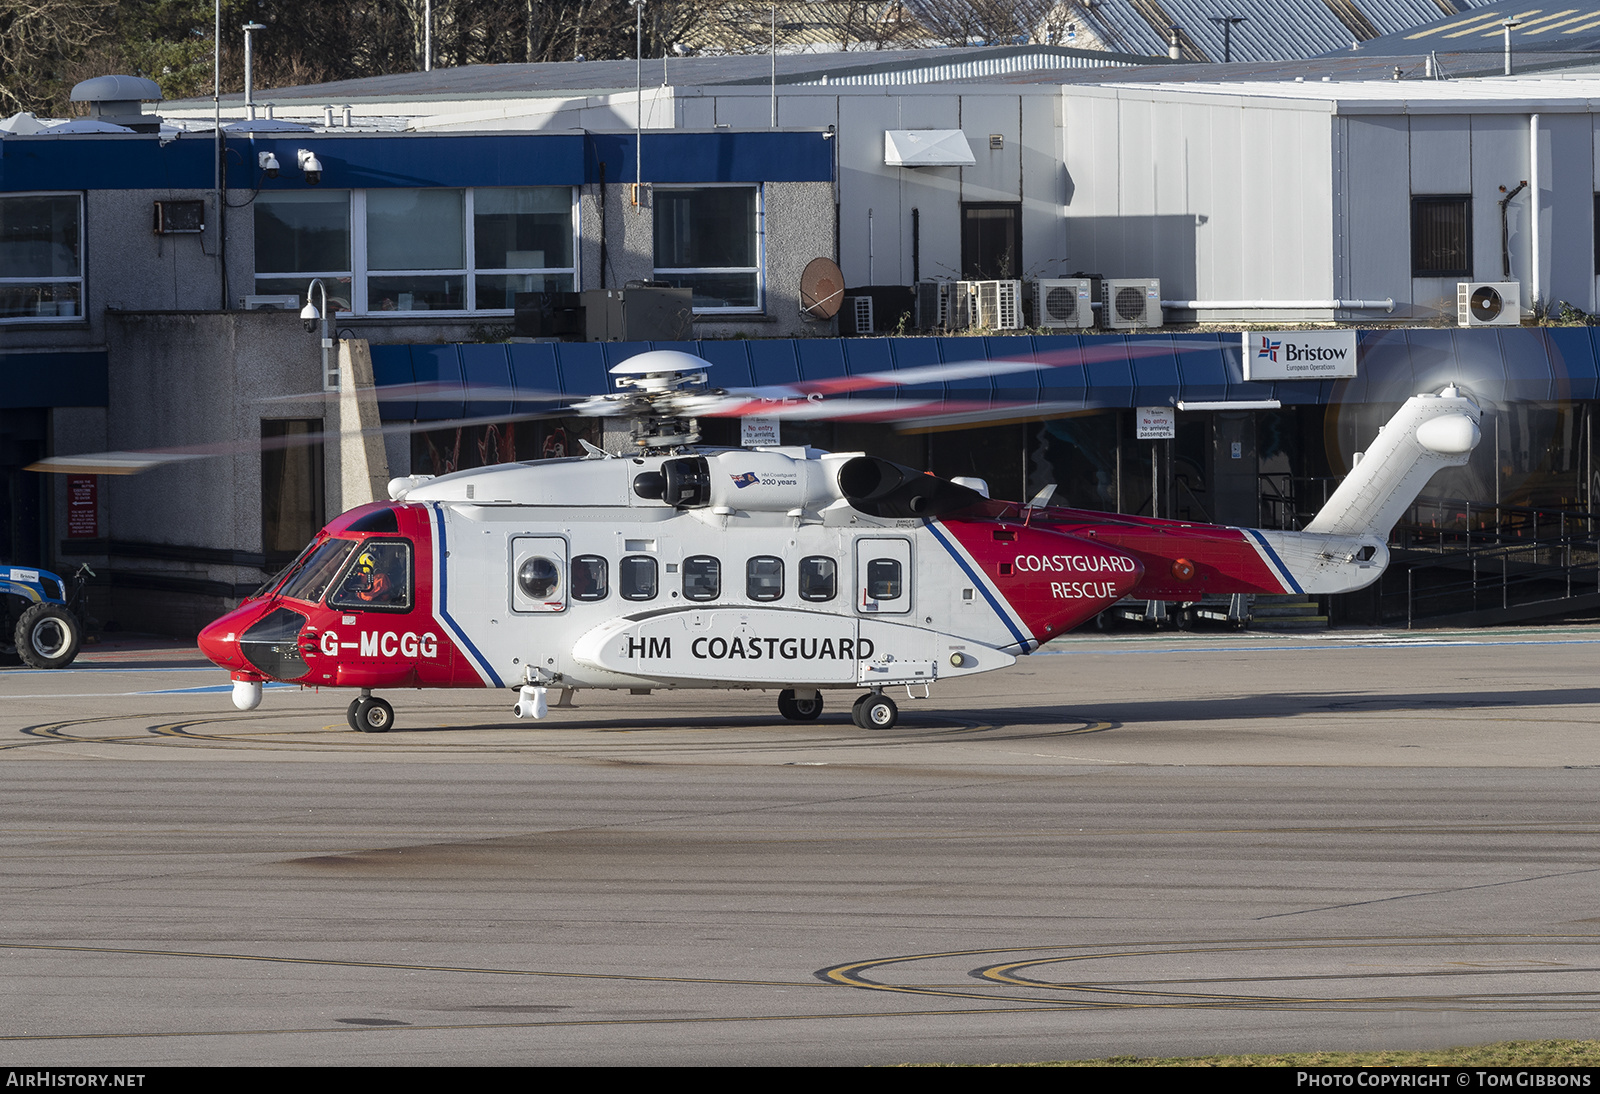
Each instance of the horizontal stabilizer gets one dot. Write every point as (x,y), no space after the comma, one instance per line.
(1427,434)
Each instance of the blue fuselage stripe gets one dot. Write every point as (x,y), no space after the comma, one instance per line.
(444,609)
(1276,561)
(982,587)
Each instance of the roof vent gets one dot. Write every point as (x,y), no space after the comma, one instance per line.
(115,100)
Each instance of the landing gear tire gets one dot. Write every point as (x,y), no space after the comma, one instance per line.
(374,716)
(799,710)
(350,714)
(855,710)
(875,712)
(47,636)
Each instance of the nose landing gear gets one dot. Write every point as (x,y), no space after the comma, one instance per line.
(369,714)
(799,706)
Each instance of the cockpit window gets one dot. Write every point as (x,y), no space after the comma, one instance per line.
(309,578)
(378,580)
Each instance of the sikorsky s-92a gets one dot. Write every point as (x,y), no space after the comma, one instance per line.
(781,568)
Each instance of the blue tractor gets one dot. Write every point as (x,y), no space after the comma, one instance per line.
(41,617)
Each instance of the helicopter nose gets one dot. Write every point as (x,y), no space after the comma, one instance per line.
(219,641)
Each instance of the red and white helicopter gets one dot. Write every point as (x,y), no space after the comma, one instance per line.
(782,568)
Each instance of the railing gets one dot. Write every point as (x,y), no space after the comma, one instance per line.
(1492,578)
(1478,557)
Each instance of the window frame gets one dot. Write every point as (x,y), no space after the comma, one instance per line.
(701,563)
(623,577)
(330,596)
(760,230)
(1418,267)
(750,578)
(360,275)
(605,577)
(833,584)
(80,280)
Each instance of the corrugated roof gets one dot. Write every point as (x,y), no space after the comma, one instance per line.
(553,79)
(1560,28)
(1273,29)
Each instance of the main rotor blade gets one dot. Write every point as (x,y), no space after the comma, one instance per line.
(133,462)
(970,370)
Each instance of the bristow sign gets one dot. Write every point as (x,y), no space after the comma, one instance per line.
(1299,354)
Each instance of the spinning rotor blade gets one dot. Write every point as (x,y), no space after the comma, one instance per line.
(954,371)
(133,462)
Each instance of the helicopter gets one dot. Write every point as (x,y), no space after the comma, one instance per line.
(781,568)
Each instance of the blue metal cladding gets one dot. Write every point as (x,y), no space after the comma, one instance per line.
(1496,365)
(376,161)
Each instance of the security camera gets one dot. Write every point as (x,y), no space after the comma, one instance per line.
(268,163)
(311,166)
(310,317)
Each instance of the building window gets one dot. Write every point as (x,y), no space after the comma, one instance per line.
(522,242)
(1441,236)
(291,486)
(404,250)
(991,240)
(300,236)
(709,239)
(41,257)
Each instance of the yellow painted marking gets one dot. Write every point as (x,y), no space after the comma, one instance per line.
(1584,27)
(1452,26)
(1564,22)
(1517,17)
(1523,29)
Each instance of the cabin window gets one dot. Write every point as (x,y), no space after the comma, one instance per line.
(41,257)
(883,579)
(763,578)
(702,578)
(708,239)
(590,578)
(637,577)
(379,578)
(310,577)
(818,578)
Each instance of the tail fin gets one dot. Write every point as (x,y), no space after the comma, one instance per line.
(1429,433)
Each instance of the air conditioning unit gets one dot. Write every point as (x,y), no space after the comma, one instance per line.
(1129,302)
(856,315)
(1488,303)
(1063,302)
(287,302)
(999,305)
(961,305)
(933,305)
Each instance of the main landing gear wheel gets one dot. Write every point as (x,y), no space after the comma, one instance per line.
(373,716)
(350,714)
(47,636)
(799,710)
(875,712)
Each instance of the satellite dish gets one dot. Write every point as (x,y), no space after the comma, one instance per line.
(821,288)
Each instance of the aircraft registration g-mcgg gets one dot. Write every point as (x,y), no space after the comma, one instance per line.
(779,568)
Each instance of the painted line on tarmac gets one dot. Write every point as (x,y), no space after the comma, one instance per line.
(208,689)
(1318,648)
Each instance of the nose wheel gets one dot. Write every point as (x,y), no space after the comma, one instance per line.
(797,709)
(369,714)
(874,711)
